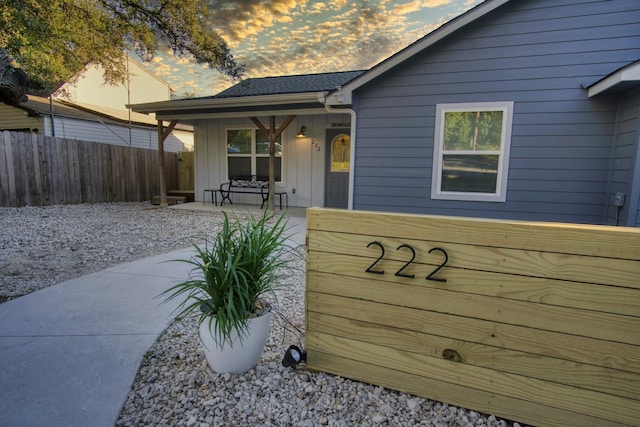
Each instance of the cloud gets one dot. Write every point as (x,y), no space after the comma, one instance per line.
(239,19)
(285,37)
(417,6)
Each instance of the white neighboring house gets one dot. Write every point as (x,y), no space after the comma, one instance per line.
(91,110)
(88,87)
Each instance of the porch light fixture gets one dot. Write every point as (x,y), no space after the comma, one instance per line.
(302,133)
(293,356)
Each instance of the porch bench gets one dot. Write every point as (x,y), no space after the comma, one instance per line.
(214,195)
(250,184)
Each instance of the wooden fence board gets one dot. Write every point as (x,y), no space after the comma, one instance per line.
(554,265)
(83,170)
(23,157)
(463,396)
(186,176)
(589,296)
(36,176)
(582,375)
(74,171)
(45,171)
(548,393)
(39,170)
(15,174)
(615,242)
(540,313)
(60,184)
(596,324)
(620,356)
(4,169)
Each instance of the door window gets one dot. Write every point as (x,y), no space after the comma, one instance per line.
(340,153)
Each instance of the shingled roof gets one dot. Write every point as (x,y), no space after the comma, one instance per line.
(289,84)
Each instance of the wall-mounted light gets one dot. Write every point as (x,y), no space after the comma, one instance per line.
(293,356)
(302,133)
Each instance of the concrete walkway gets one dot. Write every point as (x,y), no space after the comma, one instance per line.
(69,353)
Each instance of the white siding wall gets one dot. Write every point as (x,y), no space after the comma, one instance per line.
(91,89)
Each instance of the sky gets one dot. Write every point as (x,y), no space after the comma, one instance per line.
(289,37)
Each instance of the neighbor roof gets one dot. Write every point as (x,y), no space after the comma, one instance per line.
(40,106)
(289,84)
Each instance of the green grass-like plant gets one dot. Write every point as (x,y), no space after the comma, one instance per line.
(232,271)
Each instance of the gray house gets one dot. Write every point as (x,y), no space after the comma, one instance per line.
(524,109)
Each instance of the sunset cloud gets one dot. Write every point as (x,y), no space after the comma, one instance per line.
(283,37)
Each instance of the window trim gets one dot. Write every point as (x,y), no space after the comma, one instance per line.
(254,154)
(503,161)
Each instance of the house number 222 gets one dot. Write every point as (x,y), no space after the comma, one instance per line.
(400,272)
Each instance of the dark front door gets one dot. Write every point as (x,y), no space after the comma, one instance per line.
(337,165)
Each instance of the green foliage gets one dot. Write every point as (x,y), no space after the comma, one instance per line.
(232,271)
(473,130)
(52,40)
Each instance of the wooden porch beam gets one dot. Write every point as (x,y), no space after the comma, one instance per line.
(258,123)
(169,129)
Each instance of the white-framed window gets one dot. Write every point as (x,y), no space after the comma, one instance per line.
(248,154)
(471,151)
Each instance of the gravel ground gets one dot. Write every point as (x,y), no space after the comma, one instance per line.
(42,246)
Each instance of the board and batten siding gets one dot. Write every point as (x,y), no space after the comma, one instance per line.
(538,54)
(303,158)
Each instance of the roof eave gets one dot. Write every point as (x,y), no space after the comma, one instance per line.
(628,75)
(192,106)
(188,117)
(342,96)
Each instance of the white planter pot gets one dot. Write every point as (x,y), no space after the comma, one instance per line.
(238,356)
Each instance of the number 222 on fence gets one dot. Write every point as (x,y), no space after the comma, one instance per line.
(400,272)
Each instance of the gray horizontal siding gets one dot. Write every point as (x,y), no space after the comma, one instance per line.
(533,211)
(109,133)
(624,176)
(539,54)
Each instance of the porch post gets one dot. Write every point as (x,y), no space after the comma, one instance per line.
(162,135)
(272,160)
(163,186)
(273,133)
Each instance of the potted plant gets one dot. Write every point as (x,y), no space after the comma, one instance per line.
(232,272)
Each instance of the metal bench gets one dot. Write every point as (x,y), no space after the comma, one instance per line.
(214,195)
(250,184)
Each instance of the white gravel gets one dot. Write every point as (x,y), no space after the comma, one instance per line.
(42,246)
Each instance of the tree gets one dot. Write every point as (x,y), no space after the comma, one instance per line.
(52,40)
(14,82)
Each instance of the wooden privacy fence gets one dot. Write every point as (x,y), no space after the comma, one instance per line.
(40,170)
(186,176)
(534,322)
